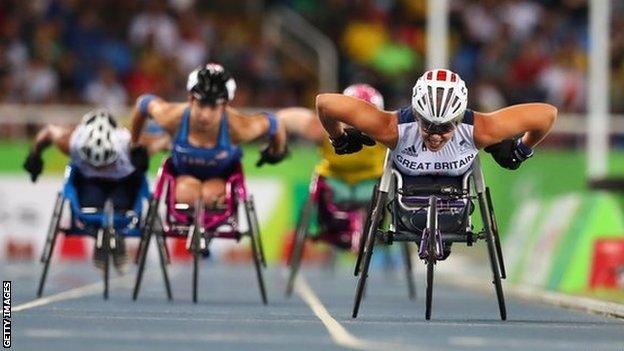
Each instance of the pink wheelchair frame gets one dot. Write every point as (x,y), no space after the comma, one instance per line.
(353,212)
(200,227)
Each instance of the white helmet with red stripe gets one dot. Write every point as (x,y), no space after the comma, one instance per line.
(365,92)
(440,96)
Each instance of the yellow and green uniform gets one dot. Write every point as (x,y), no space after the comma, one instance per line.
(353,176)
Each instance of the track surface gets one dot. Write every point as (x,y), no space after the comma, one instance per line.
(229,315)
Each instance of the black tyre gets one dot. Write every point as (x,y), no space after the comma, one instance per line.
(494,224)
(297,251)
(254,236)
(108,235)
(48,249)
(432,229)
(251,207)
(371,237)
(367,227)
(494,261)
(196,244)
(146,236)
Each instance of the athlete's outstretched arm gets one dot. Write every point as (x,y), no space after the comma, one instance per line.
(534,119)
(335,110)
(52,134)
(48,135)
(247,128)
(302,122)
(166,114)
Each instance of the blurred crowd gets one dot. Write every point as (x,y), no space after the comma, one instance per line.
(109,51)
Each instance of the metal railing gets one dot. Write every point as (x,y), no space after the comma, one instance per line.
(290,31)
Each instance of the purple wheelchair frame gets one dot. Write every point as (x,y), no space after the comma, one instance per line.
(200,227)
(352,213)
(234,189)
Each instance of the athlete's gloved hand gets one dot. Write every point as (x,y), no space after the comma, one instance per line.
(352,140)
(139,158)
(510,153)
(33,165)
(266,156)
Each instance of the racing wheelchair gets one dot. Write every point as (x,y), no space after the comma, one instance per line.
(105,224)
(434,216)
(199,225)
(341,225)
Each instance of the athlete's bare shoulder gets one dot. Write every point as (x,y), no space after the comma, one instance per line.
(167,114)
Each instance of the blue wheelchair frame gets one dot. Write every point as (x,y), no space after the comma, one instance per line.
(102,224)
(125,224)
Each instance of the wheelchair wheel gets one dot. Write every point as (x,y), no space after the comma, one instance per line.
(371,237)
(108,234)
(297,251)
(251,208)
(146,235)
(432,229)
(196,244)
(164,259)
(409,271)
(48,249)
(366,226)
(499,250)
(494,261)
(256,248)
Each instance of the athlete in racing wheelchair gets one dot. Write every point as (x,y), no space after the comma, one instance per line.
(202,183)
(339,193)
(102,189)
(431,165)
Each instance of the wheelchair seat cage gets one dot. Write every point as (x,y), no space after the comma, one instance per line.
(434,239)
(199,225)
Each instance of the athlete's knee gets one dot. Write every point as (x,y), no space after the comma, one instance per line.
(187,189)
(213,190)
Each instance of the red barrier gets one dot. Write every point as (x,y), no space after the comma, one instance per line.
(607,269)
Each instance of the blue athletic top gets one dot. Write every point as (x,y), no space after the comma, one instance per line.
(200,162)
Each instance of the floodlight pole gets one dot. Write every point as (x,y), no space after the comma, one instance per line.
(437,33)
(598,99)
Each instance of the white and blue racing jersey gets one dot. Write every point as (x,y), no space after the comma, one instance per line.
(411,157)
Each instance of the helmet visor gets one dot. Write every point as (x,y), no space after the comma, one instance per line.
(433,128)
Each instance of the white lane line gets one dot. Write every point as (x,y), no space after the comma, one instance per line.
(75,293)
(338,333)
(528,293)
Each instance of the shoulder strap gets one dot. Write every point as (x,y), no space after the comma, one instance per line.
(184,126)
(468,117)
(224,132)
(406,115)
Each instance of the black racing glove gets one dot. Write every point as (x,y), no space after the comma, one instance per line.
(33,165)
(139,158)
(351,141)
(510,153)
(267,157)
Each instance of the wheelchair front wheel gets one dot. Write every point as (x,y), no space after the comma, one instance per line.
(432,229)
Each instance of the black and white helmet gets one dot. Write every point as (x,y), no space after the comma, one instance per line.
(98,148)
(440,96)
(211,84)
